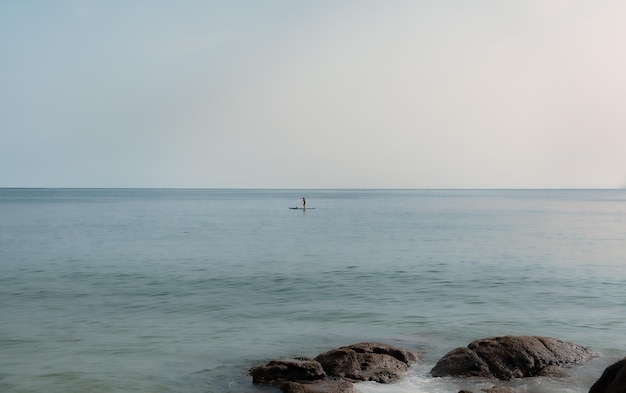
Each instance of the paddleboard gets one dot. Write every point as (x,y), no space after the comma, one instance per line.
(301,208)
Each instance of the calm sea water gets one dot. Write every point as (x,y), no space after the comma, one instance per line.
(106,290)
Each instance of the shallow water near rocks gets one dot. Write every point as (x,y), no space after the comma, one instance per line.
(185,290)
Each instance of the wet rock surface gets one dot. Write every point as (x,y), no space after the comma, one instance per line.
(510,357)
(281,370)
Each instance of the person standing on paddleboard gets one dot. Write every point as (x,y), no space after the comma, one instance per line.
(303,203)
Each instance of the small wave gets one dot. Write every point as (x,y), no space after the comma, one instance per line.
(577,380)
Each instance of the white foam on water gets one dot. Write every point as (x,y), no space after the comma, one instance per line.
(418,380)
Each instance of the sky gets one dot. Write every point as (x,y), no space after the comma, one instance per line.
(313,94)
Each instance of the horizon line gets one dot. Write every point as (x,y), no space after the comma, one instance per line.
(321,188)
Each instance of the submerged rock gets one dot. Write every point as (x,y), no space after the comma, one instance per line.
(511,357)
(613,379)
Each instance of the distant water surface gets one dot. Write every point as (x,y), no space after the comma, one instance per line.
(150,290)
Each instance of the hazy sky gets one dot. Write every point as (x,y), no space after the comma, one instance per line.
(307,94)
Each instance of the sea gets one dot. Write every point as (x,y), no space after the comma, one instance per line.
(184,290)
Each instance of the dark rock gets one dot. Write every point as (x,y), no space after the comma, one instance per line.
(328,386)
(367,362)
(277,372)
(613,379)
(552,371)
(401,354)
(334,371)
(341,362)
(510,357)
(461,362)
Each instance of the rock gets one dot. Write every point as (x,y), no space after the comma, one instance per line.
(510,357)
(401,354)
(613,379)
(552,371)
(367,362)
(334,371)
(329,386)
(461,362)
(277,372)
